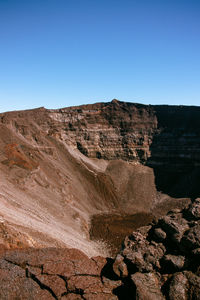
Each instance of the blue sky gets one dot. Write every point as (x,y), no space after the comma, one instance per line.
(58,53)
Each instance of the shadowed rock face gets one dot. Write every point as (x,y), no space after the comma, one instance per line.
(175,150)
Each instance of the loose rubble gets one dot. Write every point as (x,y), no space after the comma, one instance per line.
(163,260)
(156,262)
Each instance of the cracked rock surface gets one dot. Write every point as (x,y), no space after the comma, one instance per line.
(53,274)
(158,261)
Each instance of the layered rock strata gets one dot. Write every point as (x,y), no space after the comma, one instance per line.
(61,167)
(120,130)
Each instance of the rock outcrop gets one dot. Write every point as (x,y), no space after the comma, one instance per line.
(158,261)
(162,260)
(53,274)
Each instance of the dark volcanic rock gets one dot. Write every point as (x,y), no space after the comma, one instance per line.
(148,286)
(184,286)
(159,234)
(191,238)
(194,209)
(119,267)
(178,287)
(153,266)
(173,262)
(194,285)
(143,270)
(141,254)
(174,225)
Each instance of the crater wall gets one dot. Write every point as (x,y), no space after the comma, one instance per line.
(60,167)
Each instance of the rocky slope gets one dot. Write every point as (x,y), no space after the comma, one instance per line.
(72,177)
(49,189)
(159,261)
(58,168)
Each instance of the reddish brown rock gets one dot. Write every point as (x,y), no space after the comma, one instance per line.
(75,155)
(174,262)
(174,225)
(178,287)
(119,267)
(143,255)
(14,284)
(53,274)
(72,297)
(100,296)
(148,286)
(143,270)
(16,156)
(191,239)
(194,209)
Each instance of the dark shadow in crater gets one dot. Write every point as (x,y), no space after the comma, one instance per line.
(127,291)
(178,184)
(175,151)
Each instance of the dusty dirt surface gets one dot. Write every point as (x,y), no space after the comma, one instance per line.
(112,229)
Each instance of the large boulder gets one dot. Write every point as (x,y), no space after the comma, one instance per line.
(191,238)
(148,286)
(179,287)
(144,256)
(194,209)
(174,225)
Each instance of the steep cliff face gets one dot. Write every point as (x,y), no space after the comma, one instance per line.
(175,154)
(115,130)
(60,167)
(166,138)
(119,130)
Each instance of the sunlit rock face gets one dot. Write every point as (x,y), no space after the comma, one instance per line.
(115,130)
(60,167)
(132,131)
(166,138)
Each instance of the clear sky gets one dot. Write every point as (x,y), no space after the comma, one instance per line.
(58,53)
